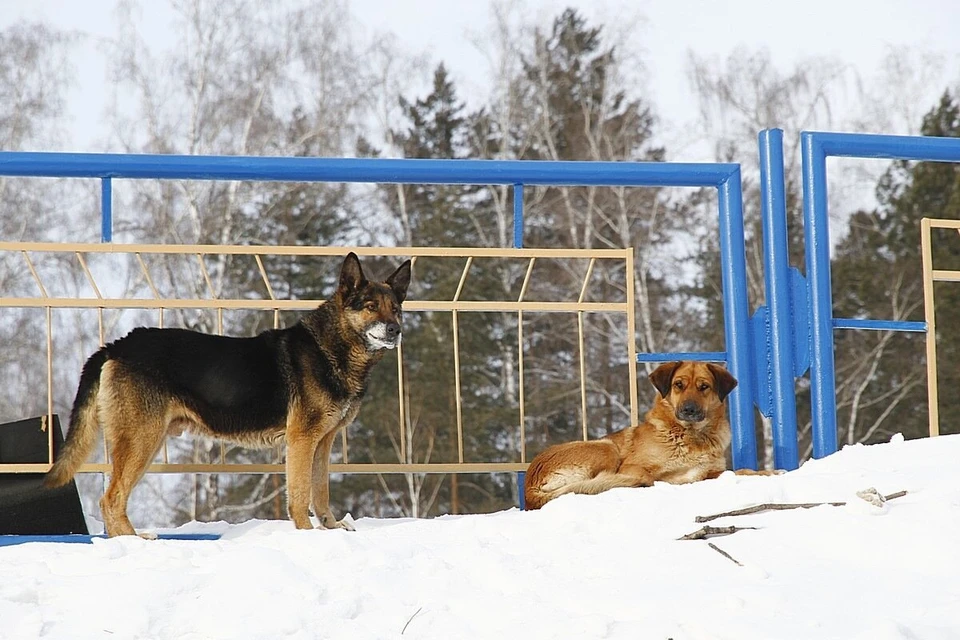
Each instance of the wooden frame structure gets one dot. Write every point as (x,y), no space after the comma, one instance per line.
(931,275)
(100,302)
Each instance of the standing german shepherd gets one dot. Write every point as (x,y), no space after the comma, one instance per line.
(302,384)
(683,438)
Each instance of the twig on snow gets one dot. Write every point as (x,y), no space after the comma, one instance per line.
(724,554)
(767,506)
(780,506)
(411,620)
(704,532)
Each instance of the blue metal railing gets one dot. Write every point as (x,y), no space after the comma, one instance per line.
(517,215)
(792,332)
(106,210)
(77,538)
(816,147)
(736,320)
(776,270)
(725,177)
(803,315)
(880,325)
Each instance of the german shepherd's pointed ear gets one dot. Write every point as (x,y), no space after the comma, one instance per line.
(399,280)
(351,275)
(662,377)
(724,380)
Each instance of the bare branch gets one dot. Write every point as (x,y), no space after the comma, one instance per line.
(707,531)
(780,506)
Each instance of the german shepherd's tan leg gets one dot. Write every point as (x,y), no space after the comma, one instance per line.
(321,485)
(301,448)
(132,447)
(134,430)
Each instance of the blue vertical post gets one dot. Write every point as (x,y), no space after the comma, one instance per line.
(823,401)
(521,496)
(736,321)
(517,216)
(776,270)
(106,209)
(518,243)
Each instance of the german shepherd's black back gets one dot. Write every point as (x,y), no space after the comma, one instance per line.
(235,385)
(302,384)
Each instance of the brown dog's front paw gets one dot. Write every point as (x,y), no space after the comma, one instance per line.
(761,472)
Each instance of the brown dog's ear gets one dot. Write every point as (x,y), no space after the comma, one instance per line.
(662,377)
(724,380)
(399,280)
(351,274)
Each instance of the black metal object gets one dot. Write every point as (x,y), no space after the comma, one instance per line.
(26,507)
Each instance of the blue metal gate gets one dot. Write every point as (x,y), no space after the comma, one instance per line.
(799,312)
(786,337)
(725,178)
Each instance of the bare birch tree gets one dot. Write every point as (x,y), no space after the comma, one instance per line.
(742,95)
(35,75)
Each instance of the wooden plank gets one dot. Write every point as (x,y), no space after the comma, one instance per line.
(929,311)
(303,250)
(467,467)
(485,306)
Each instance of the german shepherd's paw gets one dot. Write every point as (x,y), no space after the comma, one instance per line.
(327,521)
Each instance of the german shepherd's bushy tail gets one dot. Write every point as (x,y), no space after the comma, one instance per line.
(84,424)
(536,497)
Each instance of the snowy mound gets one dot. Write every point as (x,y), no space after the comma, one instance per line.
(607,566)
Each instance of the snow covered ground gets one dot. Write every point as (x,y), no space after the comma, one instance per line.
(607,566)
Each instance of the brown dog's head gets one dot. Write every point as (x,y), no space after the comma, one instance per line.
(373,309)
(693,389)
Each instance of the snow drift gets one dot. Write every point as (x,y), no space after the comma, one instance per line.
(607,566)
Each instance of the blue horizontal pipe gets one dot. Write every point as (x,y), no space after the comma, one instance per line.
(868,145)
(879,325)
(373,170)
(699,356)
(78,538)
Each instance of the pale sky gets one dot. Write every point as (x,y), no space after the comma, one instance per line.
(856,31)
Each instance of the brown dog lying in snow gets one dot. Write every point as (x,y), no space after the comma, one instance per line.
(684,438)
